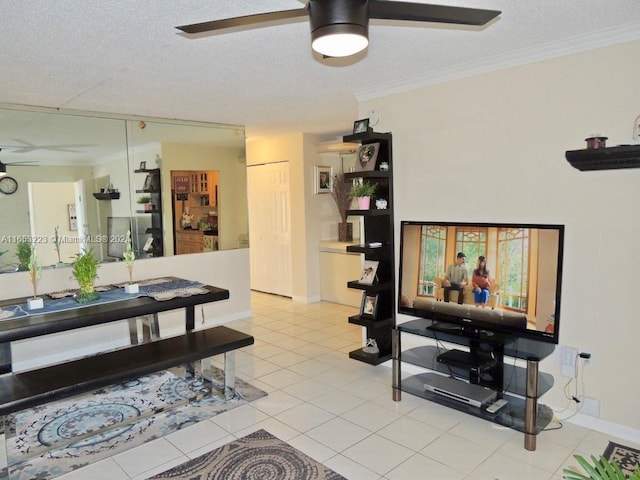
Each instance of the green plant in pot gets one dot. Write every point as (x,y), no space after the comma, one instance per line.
(599,469)
(362,191)
(129,256)
(85,271)
(23,252)
(341,195)
(146,201)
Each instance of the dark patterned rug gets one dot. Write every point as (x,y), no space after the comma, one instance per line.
(53,439)
(259,456)
(626,457)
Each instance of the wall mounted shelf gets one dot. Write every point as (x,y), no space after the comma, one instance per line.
(624,156)
(107,195)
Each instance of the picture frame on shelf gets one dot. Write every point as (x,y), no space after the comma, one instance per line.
(361,126)
(148,182)
(322,179)
(143,165)
(369,305)
(369,271)
(148,244)
(367,157)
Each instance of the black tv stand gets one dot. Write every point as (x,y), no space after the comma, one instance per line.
(482,364)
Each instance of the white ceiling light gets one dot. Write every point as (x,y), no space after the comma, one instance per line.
(339,40)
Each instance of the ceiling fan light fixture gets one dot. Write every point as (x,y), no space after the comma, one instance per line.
(339,40)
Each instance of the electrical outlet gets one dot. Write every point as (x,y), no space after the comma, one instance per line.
(568,361)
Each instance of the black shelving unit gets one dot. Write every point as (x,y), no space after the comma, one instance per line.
(153,188)
(378,227)
(610,158)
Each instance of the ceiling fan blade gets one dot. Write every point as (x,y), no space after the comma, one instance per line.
(242,21)
(422,12)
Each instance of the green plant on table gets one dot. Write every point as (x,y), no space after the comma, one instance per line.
(35,270)
(129,256)
(599,469)
(23,252)
(363,189)
(85,271)
(144,199)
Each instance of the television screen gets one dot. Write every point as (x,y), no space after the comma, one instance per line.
(483,276)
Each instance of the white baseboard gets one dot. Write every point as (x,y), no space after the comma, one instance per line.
(299,299)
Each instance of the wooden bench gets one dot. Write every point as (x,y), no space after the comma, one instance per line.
(30,388)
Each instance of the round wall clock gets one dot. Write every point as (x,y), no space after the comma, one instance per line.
(8,185)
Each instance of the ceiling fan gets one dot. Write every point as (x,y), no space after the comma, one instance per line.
(28,147)
(3,166)
(340,28)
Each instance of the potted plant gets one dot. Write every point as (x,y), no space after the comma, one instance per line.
(342,197)
(35,272)
(362,191)
(599,469)
(129,256)
(56,244)
(146,201)
(85,271)
(23,252)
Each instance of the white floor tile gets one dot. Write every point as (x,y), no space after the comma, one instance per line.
(378,454)
(504,467)
(145,457)
(239,418)
(106,469)
(446,450)
(304,417)
(350,469)
(419,467)
(410,433)
(338,434)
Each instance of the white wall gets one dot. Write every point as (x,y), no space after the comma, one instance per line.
(491,148)
(225,269)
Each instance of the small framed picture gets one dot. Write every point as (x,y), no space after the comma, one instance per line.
(361,126)
(323,179)
(148,244)
(367,157)
(369,271)
(148,183)
(369,305)
(143,166)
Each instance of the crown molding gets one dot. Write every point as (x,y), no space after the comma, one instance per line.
(578,44)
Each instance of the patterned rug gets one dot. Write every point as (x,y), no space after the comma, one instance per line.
(258,456)
(53,439)
(626,457)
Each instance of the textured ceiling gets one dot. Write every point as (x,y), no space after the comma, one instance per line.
(126,57)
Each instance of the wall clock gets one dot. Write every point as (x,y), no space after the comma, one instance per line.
(8,185)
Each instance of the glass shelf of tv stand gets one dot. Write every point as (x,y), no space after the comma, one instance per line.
(512,415)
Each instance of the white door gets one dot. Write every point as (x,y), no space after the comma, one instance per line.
(270,228)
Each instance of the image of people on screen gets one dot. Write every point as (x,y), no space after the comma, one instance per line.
(456,278)
(481,283)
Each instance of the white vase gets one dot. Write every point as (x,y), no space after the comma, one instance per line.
(364,203)
(35,303)
(131,288)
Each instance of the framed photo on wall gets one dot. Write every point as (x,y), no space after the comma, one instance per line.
(361,126)
(369,305)
(322,179)
(369,270)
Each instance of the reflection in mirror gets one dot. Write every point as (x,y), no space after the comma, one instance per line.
(80,177)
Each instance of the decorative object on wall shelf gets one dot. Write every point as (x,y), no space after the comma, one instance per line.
(322,179)
(367,156)
(362,191)
(596,141)
(369,270)
(361,126)
(341,196)
(369,305)
(381,204)
(145,200)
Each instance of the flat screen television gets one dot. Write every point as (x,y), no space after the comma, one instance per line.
(524,263)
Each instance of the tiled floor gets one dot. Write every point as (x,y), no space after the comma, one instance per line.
(340,412)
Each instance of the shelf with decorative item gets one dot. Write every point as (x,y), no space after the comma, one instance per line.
(106,195)
(609,158)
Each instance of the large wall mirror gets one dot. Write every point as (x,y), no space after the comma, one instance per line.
(85,180)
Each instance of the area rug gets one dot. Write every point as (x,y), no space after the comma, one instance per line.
(53,439)
(258,456)
(627,458)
